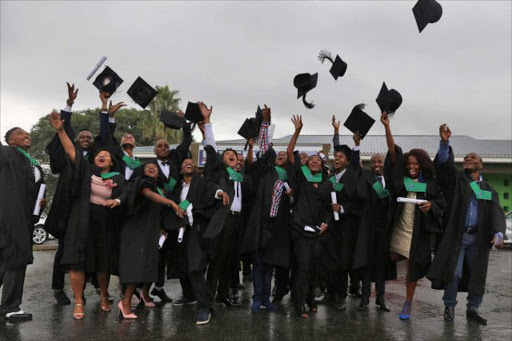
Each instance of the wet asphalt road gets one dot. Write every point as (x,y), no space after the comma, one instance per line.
(53,322)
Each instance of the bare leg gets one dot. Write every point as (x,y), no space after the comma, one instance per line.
(145,292)
(410,287)
(103,280)
(77,279)
(127,300)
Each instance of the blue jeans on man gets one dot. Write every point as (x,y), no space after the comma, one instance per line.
(467,255)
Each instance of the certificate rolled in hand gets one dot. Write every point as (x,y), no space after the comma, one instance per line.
(410,201)
(180,234)
(333,199)
(40,195)
(96,67)
(161,241)
(286,186)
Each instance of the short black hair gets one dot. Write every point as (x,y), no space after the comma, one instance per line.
(9,133)
(84,129)
(230,150)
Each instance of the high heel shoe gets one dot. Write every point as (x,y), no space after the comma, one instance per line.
(303,312)
(122,314)
(148,304)
(406,311)
(105,304)
(78,315)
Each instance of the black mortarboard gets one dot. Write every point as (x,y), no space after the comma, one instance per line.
(388,100)
(344,149)
(171,120)
(359,121)
(107,81)
(193,113)
(249,129)
(141,92)
(338,68)
(427,12)
(305,82)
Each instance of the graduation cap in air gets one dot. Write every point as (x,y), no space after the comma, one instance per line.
(141,92)
(172,120)
(249,129)
(427,12)
(388,100)
(305,82)
(344,149)
(107,81)
(338,68)
(193,113)
(359,121)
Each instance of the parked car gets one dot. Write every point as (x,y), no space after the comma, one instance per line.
(508,233)
(40,235)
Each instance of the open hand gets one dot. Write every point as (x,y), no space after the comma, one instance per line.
(445,132)
(297,122)
(335,124)
(205,111)
(55,121)
(179,212)
(113,108)
(72,94)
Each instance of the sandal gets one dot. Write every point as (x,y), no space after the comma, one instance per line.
(78,311)
(105,304)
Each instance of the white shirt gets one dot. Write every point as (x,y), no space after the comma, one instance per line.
(236,205)
(183,196)
(338,177)
(127,170)
(37,174)
(209,139)
(165,168)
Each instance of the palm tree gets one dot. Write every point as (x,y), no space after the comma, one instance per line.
(152,127)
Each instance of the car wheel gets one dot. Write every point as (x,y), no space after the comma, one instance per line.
(39,236)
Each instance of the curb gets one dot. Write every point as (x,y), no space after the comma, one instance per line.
(45,247)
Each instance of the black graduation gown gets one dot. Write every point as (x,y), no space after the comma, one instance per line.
(17,201)
(345,229)
(425,224)
(491,220)
(262,232)
(372,246)
(138,256)
(79,251)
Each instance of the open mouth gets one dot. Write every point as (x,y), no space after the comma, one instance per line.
(188,167)
(101,159)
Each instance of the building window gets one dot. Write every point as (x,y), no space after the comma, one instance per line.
(505,182)
(505,208)
(506,195)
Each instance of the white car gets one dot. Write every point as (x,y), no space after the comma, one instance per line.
(40,235)
(508,232)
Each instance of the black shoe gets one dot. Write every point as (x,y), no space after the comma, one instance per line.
(161,295)
(474,316)
(278,298)
(449,313)
(61,297)
(18,316)
(354,292)
(226,302)
(203,317)
(381,302)
(183,301)
(342,304)
(363,304)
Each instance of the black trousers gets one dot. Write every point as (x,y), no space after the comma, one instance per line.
(379,273)
(306,254)
(162,260)
(282,280)
(12,282)
(220,271)
(198,262)
(58,272)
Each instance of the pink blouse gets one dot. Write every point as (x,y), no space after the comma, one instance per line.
(100,191)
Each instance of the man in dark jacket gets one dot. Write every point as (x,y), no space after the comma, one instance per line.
(472,220)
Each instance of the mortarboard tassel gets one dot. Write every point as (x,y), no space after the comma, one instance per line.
(306,104)
(324,54)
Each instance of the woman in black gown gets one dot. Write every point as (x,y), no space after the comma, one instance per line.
(138,262)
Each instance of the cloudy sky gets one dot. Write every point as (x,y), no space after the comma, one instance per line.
(236,55)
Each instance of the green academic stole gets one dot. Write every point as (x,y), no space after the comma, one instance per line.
(184,204)
(132,164)
(108,175)
(281,173)
(338,186)
(381,191)
(30,158)
(412,186)
(235,176)
(480,194)
(159,190)
(309,176)
(169,186)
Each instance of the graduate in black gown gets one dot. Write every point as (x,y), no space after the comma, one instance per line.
(91,238)
(412,176)
(313,249)
(140,232)
(267,232)
(471,222)
(20,179)
(348,206)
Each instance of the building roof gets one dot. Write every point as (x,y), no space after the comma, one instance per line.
(373,144)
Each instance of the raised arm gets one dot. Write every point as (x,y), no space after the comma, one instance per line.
(208,139)
(297,122)
(263,138)
(66,142)
(107,117)
(384,118)
(355,160)
(336,135)
(250,151)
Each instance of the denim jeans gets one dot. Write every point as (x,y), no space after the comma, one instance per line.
(466,259)
(261,278)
